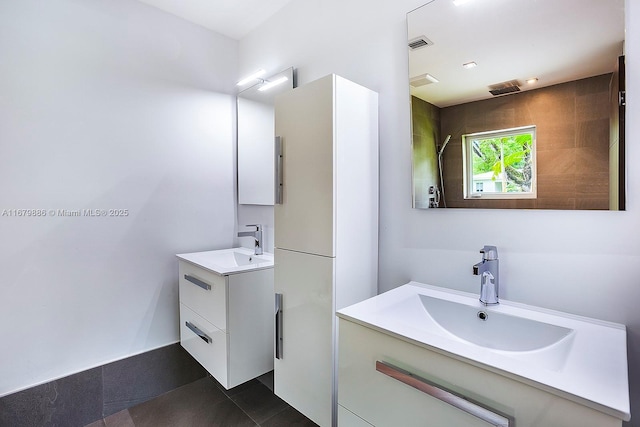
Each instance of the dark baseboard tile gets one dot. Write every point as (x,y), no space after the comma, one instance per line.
(88,396)
(140,378)
(71,401)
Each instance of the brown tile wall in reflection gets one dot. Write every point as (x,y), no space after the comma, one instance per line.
(572,123)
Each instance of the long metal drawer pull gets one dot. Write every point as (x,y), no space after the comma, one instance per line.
(198,332)
(198,282)
(446,396)
(278,171)
(278,345)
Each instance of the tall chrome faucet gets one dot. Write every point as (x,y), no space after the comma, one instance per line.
(489,275)
(257,235)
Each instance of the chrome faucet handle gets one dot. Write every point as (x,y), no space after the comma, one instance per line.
(257,226)
(489,253)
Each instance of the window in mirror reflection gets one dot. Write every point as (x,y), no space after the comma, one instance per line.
(574,103)
(500,164)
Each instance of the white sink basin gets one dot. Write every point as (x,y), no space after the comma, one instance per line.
(229,261)
(233,258)
(489,328)
(578,358)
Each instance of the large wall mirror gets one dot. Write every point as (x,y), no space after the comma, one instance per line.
(517,104)
(256,133)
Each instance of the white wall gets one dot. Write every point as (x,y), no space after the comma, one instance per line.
(105,104)
(580,262)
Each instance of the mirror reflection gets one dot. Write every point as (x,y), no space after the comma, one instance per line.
(517,104)
(256,130)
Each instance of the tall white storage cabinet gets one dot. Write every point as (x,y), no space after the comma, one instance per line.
(326,232)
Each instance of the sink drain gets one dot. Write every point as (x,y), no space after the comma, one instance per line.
(482,315)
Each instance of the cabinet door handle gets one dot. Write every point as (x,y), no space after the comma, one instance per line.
(278,343)
(198,332)
(279,184)
(447,396)
(198,282)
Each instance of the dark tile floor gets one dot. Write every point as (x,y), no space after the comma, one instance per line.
(206,403)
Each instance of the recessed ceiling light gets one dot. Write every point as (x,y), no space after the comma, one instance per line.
(470,65)
(532,80)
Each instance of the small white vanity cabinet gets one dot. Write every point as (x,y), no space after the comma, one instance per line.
(226,314)
(368,397)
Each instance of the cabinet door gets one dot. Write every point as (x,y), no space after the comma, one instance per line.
(304,373)
(304,120)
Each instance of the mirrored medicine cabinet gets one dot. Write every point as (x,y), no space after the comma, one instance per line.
(517,104)
(256,131)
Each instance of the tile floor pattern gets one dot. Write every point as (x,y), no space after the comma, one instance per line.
(206,403)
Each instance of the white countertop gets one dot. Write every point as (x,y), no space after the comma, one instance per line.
(229,261)
(594,373)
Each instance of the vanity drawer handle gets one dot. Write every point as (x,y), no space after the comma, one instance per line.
(198,282)
(447,396)
(198,332)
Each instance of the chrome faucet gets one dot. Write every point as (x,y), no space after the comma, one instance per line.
(489,275)
(257,235)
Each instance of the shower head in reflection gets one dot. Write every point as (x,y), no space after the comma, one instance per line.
(444,144)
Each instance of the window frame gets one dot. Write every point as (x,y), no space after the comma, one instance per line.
(467,164)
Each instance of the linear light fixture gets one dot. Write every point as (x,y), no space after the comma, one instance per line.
(471,64)
(251,77)
(532,80)
(268,85)
(431,78)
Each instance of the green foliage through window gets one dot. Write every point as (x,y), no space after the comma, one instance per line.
(501,162)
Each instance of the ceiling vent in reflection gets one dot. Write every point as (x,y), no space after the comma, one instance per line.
(422,80)
(419,42)
(505,88)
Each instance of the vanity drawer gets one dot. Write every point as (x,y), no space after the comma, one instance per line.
(206,343)
(374,398)
(376,394)
(204,292)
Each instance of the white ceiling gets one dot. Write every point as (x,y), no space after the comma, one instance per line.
(232,18)
(554,40)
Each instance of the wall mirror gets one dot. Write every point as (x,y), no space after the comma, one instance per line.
(256,132)
(517,104)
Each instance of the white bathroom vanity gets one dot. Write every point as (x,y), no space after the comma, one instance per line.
(422,355)
(226,312)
